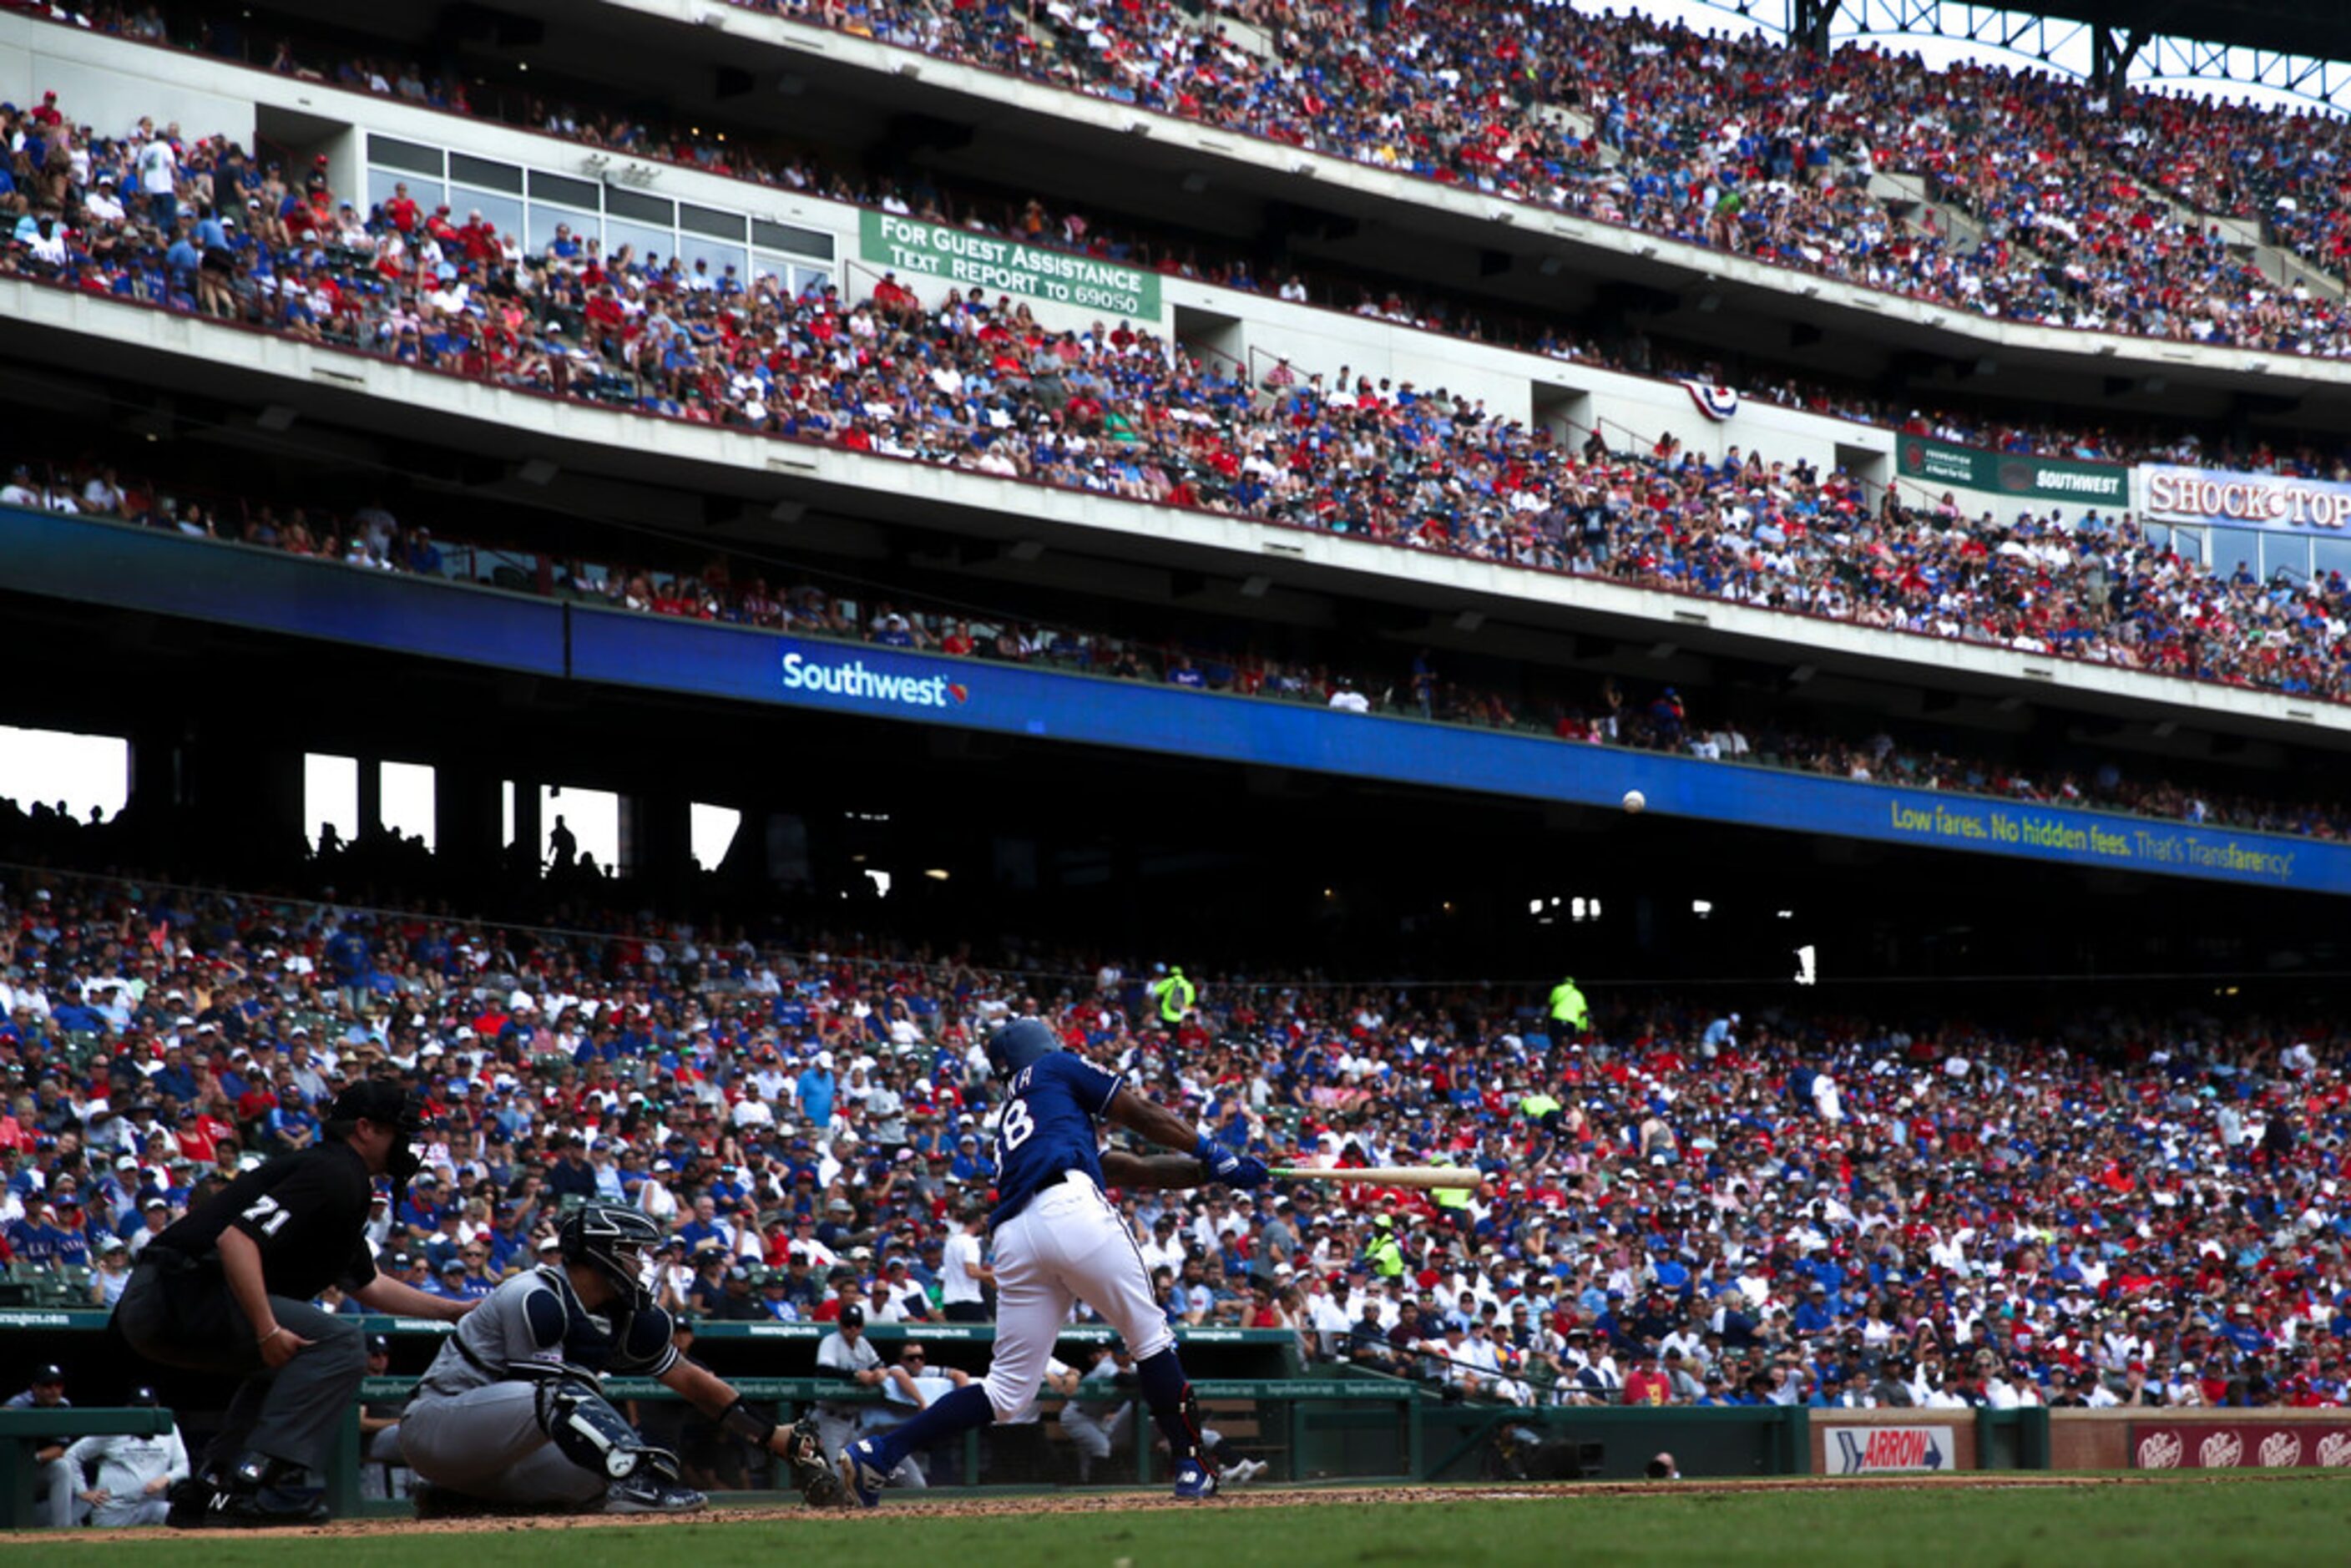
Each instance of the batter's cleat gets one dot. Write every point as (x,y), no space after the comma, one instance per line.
(650,1494)
(1195,1481)
(863,1472)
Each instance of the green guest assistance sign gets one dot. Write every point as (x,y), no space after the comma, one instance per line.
(1006,266)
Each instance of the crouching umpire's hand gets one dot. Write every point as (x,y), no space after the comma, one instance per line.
(1229,1165)
(280,1345)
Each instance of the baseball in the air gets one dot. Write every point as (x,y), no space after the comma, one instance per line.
(1636,801)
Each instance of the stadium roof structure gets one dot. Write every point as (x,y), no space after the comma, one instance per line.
(2297,46)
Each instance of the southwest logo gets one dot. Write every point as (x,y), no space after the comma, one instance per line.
(856,679)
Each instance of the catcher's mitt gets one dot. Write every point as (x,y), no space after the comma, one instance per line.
(812,1473)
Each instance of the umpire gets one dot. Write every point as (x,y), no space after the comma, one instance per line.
(230,1287)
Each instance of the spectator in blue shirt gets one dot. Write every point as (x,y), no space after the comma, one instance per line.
(815,1091)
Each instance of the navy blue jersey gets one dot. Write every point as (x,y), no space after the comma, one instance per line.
(1048,1128)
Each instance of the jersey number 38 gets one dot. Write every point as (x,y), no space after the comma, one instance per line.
(1016,1126)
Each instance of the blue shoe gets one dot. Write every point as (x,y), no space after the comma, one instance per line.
(863,1473)
(1195,1481)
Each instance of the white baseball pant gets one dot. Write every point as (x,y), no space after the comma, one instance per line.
(1066,1244)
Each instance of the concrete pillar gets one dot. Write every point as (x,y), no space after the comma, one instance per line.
(528,849)
(467,813)
(656,837)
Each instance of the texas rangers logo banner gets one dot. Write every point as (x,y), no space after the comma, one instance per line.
(1717,403)
(2238,1445)
(1884,1450)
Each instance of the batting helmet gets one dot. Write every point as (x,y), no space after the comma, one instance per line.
(1018,1044)
(613,1241)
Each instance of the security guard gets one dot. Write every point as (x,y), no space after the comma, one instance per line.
(1174,994)
(229,1287)
(1384,1256)
(1568,1006)
(1452,1201)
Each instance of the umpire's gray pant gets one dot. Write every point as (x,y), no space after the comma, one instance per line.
(486,1443)
(191,1321)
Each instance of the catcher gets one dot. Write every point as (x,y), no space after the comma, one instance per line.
(511,1417)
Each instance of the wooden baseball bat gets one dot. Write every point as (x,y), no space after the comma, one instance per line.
(1387,1176)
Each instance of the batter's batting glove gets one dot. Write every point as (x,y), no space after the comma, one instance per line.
(1230,1166)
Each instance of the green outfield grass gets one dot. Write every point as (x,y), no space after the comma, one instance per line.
(2195,1524)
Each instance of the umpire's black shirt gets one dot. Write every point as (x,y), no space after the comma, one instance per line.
(308,1214)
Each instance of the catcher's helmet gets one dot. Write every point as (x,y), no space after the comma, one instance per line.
(1019,1043)
(613,1240)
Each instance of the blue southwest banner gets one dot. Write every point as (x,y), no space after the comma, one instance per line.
(129,568)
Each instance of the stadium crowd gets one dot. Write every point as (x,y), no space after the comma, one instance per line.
(1124,413)
(750,156)
(1600,711)
(1749,146)
(1678,1205)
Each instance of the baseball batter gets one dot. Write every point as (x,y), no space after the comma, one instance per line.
(511,1412)
(1057,1237)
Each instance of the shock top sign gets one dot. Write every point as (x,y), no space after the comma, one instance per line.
(2278,503)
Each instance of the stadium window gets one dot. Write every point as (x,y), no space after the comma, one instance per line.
(546,216)
(710,222)
(1807,971)
(426,192)
(409,157)
(1701,907)
(406,793)
(505,213)
(795,241)
(331,797)
(880,881)
(692,249)
(659,211)
(564,190)
(53,768)
(482,171)
(1575,908)
(652,245)
(592,817)
(710,833)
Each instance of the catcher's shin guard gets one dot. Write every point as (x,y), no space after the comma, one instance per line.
(597,1437)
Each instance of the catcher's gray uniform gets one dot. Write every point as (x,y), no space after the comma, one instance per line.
(508,1411)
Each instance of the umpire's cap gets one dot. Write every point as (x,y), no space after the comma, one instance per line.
(377,1100)
(1018,1044)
